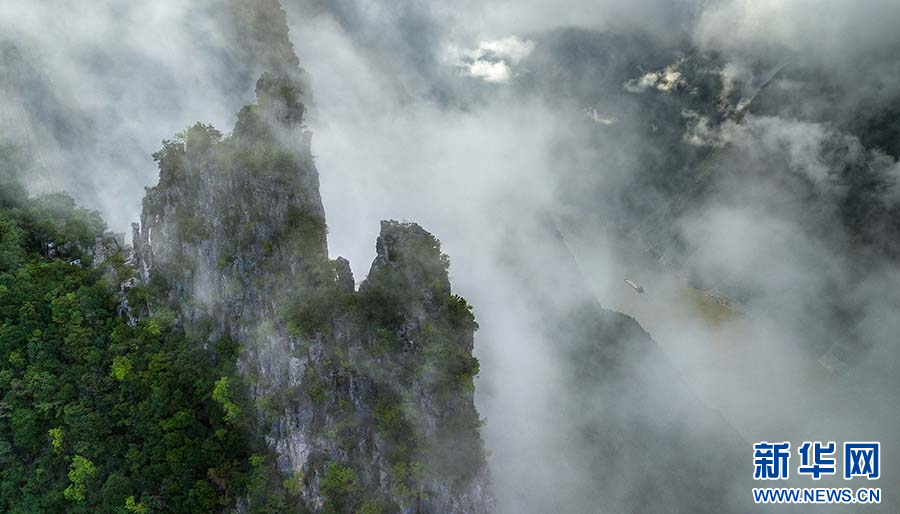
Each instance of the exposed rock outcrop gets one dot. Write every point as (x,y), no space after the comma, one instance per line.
(366,397)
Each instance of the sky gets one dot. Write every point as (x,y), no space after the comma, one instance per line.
(485,121)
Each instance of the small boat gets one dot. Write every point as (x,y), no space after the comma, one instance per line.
(632,284)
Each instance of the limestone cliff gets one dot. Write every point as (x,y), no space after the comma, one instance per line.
(365,397)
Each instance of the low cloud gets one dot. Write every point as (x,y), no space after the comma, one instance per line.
(492,61)
(664,80)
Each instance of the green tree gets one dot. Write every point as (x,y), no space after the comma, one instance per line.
(80,471)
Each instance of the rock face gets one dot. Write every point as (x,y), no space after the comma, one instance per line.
(365,397)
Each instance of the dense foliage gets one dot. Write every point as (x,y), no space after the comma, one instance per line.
(97,415)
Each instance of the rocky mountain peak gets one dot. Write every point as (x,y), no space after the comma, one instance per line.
(375,385)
